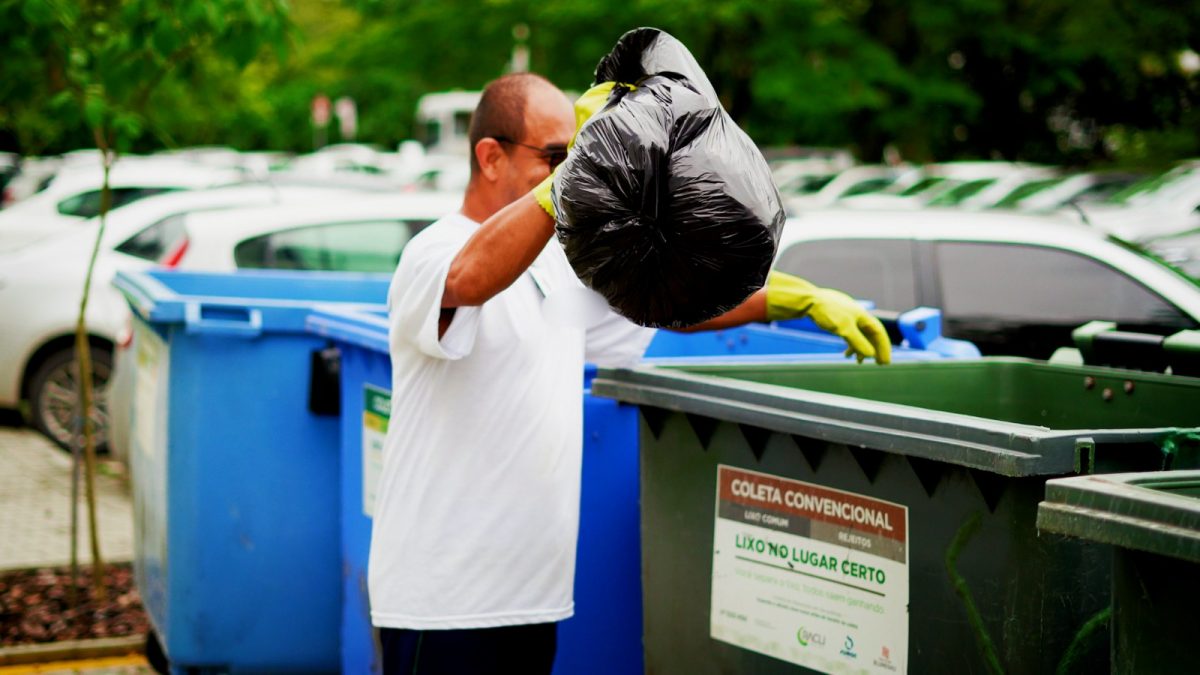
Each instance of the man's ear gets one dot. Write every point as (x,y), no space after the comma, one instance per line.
(490,154)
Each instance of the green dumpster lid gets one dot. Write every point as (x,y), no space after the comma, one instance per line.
(994,444)
(1158,512)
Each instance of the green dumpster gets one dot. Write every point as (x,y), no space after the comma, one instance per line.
(1152,523)
(882,520)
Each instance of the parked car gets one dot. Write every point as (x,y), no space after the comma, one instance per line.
(364,235)
(808,173)
(857,180)
(987,193)
(1181,250)
(1161,206)
(41,285)
(942,184)
(10,166)
(33,175)
(1047,194)
(73,196)
(1014,284)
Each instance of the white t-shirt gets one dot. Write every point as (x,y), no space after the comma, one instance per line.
(478,503)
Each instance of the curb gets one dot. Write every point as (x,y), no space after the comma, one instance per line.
(67,650)
(85,568)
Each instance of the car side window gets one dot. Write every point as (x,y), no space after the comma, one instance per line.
(87,204)
(157,240)
(881,270)
(373,246)
(1042,285)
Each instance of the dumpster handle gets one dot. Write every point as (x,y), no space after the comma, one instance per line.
(225,320)
(1179,440)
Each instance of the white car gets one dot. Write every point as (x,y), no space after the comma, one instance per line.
(1047,194)
(949,182)
(10,166)
(365,234)
(1162,206)
(34,174)
(1012,283)
(41,285)
(855,181)
(74,194)
(988,192)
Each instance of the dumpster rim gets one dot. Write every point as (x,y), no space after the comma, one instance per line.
(351,325)
(1130,512)
(1027,450)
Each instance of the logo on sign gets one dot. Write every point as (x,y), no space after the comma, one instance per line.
(848,648)
(885,660)
(805,636)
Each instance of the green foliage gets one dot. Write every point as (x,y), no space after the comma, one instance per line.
(1052,80)
(109,56)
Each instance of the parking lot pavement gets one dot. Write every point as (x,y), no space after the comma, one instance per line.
(35,506)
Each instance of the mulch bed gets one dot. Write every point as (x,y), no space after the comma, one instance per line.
(34,606)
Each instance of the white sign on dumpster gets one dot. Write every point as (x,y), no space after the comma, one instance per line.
(377,410)
(810,575)
(150,382)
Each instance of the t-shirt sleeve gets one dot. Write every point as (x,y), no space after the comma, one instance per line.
(616,341)
(415,301)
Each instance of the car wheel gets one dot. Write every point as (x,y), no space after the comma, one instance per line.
(54,397)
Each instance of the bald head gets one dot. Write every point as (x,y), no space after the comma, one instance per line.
(503,109)
(519,132)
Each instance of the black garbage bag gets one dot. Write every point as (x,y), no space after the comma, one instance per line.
(665,207)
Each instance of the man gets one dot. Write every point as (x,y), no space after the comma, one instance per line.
(473,548)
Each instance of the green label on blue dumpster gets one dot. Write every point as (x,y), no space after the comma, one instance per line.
(377,410)
(810,575)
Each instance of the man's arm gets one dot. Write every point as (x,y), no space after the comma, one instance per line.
(788,297)
(753,309)
(498,253)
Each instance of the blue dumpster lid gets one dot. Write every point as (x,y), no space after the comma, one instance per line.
(366,328)
(1158,512)
(246,302)
(920,329)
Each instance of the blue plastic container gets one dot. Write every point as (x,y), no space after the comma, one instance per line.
(920,332)
(605,635)
(365,388)
(234,479)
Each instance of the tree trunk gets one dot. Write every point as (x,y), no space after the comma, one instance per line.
(83,357)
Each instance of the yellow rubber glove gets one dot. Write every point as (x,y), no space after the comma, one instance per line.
(790,297)
(585,106)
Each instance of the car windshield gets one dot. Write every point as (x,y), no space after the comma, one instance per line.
(1022,191)
(921,186)
(805,184)
(1153,257)
(1154,185)
(957,195)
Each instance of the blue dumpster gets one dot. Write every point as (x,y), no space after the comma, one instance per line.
(605,635)
(234,478)
(366,394)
